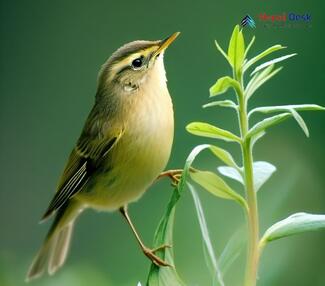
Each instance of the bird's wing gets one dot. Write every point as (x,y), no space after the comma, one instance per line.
(92,147)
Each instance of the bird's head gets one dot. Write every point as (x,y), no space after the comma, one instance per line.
(135,64)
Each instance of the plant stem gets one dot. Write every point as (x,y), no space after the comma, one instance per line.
(252,214)
(253,224)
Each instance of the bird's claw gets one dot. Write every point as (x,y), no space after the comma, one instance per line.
(150,253)
(175,179)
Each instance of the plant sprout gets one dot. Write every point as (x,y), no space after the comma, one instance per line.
(251,174)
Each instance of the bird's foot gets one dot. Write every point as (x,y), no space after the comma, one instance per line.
(175,179)
(150,253)
(174,175)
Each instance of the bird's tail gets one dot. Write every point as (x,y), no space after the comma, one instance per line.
(54,249)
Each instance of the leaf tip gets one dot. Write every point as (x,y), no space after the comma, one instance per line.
(211,92)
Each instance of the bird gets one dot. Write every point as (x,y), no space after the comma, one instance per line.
(124,145)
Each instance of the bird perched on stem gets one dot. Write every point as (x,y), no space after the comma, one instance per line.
(124,145)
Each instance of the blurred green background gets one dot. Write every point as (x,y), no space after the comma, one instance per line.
(51,52)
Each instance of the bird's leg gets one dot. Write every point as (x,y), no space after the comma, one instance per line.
(174,175)
(150,253)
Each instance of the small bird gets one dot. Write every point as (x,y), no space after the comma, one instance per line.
(124,146)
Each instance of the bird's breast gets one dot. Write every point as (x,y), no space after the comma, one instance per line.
(141,153)
(149,136)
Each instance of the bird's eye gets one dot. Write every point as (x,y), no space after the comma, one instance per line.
(137,63)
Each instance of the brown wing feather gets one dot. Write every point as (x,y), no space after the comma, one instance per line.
(74,177)
(98,137)
(82,162)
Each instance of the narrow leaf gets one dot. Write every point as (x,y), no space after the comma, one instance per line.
(294,224)
(164,235)
(211,262)
(266,123)
(232,250)
(221,51)
(257,137)
(222,85)
(231,173)
(262,55)
(271,62)
(256,78)
(262,172)
(249,46)
(224,156)
(222,103)
(280,108)
(208,130)
(300,121)
(290,108)
(236,49)
(216,186)
(240,51)
(165,276)
(261,79)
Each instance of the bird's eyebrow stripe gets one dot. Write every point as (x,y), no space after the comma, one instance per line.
(120,55)
(123,63)
(128,66)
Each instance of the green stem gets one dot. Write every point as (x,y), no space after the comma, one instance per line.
(252,214)
(253,224)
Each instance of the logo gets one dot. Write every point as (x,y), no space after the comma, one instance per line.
(285,20)
(248,20)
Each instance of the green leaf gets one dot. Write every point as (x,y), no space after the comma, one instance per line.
(236,49)
(271,62)
(232,250)
(165,276)
(256,78)
(292,109)
(249,46)
(300,121)
(259,79)
(294,224)
(222,85)
(222,103)
(231,173)
(211,259)
(216,186)
(262,172)
(257,137)
(208,130)
(280,108)
(221,51)
(224,156)
(262,55)
(266,123)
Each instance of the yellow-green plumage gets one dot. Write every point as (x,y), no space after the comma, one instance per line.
(125,144)
(142,150)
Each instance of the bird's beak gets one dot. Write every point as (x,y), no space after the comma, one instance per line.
(163,45)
